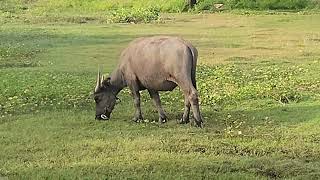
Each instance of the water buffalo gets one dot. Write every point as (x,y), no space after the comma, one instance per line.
(158,63)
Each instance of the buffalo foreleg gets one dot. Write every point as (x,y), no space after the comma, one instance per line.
(138,114)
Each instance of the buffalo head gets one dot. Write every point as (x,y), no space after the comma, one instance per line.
(104,97)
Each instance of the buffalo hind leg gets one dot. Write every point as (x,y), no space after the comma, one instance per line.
(191,94)
(194,100)
(156,100)
(185,116)
(138,113)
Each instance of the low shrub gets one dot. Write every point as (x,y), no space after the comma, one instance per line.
(134,15)
(206,5)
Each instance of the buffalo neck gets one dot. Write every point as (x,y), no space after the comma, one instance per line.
(117,80)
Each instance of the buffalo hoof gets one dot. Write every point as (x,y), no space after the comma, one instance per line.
(183,121)
(102,117)
(162,120)
(199,124)
(137,119)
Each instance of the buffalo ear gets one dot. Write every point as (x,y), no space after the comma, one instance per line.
(109,81)
(106,82)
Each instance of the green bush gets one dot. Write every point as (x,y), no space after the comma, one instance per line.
(134,15)
(206,5)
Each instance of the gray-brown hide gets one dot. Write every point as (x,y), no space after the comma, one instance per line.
(157,64)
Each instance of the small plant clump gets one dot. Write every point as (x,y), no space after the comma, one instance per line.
(135,15)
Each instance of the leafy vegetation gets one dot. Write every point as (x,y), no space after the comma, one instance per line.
(233,83)
(135,15)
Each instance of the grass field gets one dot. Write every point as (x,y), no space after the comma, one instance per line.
(258,79)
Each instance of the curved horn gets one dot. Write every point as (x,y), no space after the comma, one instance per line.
(98,81)
(102,79)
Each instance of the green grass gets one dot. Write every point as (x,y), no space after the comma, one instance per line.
(259,90)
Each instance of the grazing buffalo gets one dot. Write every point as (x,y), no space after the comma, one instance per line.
(158,63)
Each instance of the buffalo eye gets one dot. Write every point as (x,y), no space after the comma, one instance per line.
(96,99)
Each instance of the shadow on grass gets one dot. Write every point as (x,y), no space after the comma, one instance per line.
(20,49)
